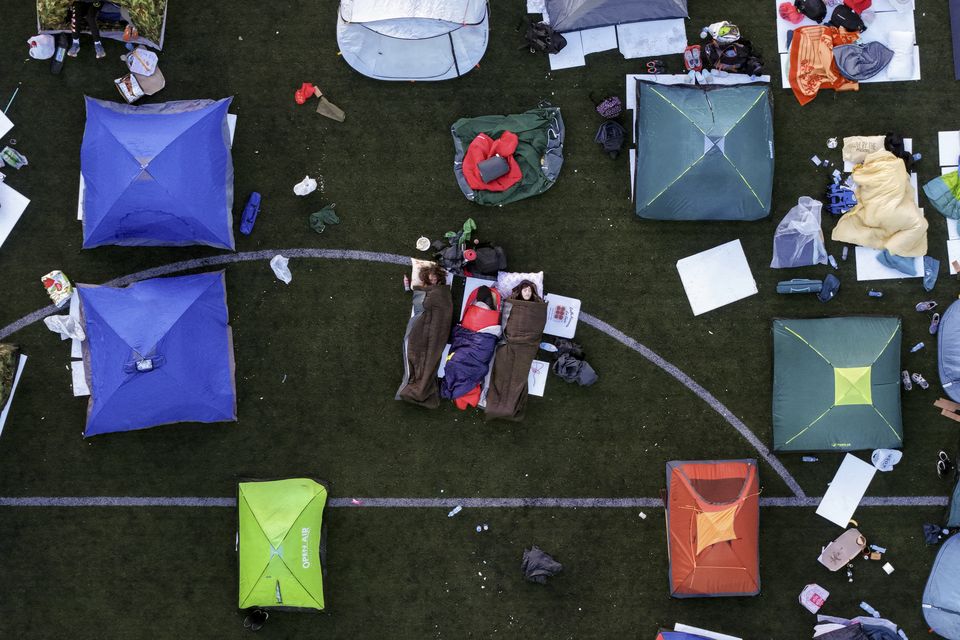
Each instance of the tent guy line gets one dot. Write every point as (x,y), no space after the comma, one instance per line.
(392,258)
(445,503)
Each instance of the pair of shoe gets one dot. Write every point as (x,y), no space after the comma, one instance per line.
(930,305)
(74,49)
(255,620)
(944,464)
(909,379)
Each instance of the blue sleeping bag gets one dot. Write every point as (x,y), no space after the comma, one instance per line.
(948,343)
(470,355)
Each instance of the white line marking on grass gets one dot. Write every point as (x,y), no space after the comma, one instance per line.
(444,503)
(392,258)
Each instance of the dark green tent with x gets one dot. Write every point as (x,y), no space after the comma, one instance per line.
(836,384)
(703,152)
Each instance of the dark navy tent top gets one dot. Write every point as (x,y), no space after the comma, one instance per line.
(159,174)
(158,351)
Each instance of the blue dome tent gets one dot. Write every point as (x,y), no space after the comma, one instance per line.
(158,174)
(157,352)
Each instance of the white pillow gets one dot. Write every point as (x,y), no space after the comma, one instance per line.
(507,280)
(901,65)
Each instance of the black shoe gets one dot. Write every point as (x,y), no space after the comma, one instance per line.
(944,465)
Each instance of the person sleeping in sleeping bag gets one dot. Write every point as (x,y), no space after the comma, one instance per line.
(471,348)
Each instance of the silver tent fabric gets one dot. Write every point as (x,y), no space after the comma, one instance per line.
(862,61)
(413,39)
(574,15)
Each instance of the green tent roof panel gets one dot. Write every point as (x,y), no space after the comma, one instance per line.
(836,384)
(703,152)
(281,543)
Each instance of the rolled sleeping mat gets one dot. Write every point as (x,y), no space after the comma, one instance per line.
(799,285)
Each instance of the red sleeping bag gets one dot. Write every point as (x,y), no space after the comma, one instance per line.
(484,147)
(476,318)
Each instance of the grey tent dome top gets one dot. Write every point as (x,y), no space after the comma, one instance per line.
(574,15)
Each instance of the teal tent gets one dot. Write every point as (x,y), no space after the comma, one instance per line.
(836,384)
(703,152)
(941,596)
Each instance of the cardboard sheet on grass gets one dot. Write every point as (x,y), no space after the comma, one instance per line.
(13,390)
(882,19)
(846,490)
(716,277)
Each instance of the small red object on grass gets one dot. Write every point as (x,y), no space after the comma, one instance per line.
(303,93)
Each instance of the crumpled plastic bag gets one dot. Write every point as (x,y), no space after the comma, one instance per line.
(280,267)
(798,240)
(884,459)
(305,186)
(42,47)
(67,327)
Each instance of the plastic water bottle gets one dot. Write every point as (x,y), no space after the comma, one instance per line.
(866,607)
(457,509)
(875,294)
(833,262)
(406,282)
(810,459)
(843,256)
(878,549)
(916,347)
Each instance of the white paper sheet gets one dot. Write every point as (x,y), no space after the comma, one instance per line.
(716,277)
(869,268)
(846,490)
(563,313)
(713,635)
(537,378)
(5,124)
(652,38)
(597,40)
(12,206)
(13,390)
(949,147)
(79,375)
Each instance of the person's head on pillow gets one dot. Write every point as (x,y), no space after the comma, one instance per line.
(527,291)
(432,275)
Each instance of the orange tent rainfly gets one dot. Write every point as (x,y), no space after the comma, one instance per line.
(713,526)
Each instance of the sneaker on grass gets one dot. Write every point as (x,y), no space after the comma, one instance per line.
(920,380)
(905,377)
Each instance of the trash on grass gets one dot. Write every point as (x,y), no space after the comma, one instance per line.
(41,47)
(58,287)
(320,219)
(423,243)
(13,158)
(280,267)
(67,327)
(813,597)
(537,565)
(457,509)
(885,459)
(888,568)
(305,186)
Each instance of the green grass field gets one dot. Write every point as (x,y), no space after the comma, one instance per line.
(334,336)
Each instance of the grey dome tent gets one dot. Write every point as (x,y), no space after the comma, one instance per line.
(703,152)
(574,15)
(941,596)
(948,351)
(413,39)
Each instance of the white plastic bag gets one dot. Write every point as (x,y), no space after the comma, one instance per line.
(280,269)
(798,240)
(41,47)
(305,186)
(885,459)
(66,326)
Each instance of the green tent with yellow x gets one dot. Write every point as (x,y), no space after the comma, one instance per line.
(836,384)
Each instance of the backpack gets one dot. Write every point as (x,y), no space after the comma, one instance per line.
(816,10)
(846,18)
(541,38)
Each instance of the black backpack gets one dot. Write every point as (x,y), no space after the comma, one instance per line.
(845,17)
(816,10)
(541,38)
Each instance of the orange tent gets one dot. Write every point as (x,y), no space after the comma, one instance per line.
(713,527)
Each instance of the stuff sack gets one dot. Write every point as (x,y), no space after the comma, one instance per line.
(541,38)
(41,47)
(846,18)
(816,10)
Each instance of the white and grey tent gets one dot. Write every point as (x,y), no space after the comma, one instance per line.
(576,15)
(413,39)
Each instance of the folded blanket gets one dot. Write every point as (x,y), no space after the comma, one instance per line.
(507,393)
(423,345)
(812,66)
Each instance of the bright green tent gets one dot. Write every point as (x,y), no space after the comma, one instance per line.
(281,543)
(836,384)
(703,152)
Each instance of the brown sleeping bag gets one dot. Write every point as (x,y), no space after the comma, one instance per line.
(507,393)
(427,334)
